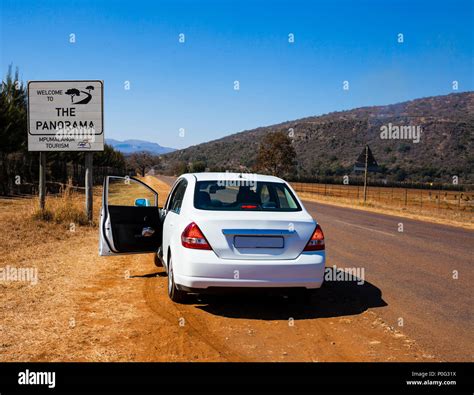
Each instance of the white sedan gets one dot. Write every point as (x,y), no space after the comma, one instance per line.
(216,231)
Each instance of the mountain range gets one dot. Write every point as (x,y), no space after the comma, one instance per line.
(328,145)
(131,146)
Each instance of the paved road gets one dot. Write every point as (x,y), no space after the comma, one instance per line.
(413,270)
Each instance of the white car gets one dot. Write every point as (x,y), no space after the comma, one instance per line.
(216,231)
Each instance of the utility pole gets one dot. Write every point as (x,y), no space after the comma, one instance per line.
(365,171)
(42,180)
(88,182)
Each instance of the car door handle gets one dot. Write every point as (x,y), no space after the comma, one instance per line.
(147,231)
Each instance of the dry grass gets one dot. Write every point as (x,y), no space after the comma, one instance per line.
(420,199)
(447,207)
(80,308)
(67,208)
(460,219)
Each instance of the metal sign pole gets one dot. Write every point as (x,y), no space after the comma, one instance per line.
(42,180)
(365,173)
(88,164)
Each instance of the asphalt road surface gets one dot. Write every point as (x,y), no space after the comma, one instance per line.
(413,269)
(424,273)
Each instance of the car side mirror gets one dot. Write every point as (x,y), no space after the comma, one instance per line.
(142,202)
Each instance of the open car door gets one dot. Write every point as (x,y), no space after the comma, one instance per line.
(130,220)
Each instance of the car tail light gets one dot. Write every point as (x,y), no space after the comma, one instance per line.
(249,206)
(192,237)
(316,243)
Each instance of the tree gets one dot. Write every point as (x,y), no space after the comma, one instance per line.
(198,166)
(142,162)
(73,92)
(109,158)
(178,168)
(13,121)
(13,126)
(276,155)
(90,88)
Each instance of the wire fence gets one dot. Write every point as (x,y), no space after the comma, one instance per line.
(394,196)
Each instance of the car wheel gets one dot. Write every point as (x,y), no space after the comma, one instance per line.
(174,293)
(157,261)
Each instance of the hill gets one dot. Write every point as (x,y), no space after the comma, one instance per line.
(328,145)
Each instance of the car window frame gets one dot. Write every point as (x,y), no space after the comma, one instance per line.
(173,195)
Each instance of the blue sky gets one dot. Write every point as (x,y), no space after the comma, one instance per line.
(191,85)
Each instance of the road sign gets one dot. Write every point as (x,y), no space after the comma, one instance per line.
(65,116)
(366,158)
(366,162)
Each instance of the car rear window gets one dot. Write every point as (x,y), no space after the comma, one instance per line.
(255,196)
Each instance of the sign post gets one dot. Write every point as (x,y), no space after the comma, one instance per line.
(42,180)
(365,171)
(66,116)
(366,162)
(89,200)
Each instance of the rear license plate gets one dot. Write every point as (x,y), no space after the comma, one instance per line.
(258,242)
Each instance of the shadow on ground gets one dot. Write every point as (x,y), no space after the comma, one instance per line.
(148,275)
(333,299)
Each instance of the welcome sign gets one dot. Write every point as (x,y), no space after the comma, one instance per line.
(65,116)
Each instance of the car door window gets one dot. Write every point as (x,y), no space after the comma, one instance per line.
(128,192)
(176,199)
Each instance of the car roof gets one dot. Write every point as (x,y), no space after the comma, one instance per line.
(211,176)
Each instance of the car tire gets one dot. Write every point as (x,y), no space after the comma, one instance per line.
(157,261)
(174,293)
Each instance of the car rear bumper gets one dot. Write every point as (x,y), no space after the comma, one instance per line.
(207,270)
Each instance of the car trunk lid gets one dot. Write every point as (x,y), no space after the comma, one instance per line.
(257,235)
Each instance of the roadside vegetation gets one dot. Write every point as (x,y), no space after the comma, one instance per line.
(142,162)
(66,208)
(276,155)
